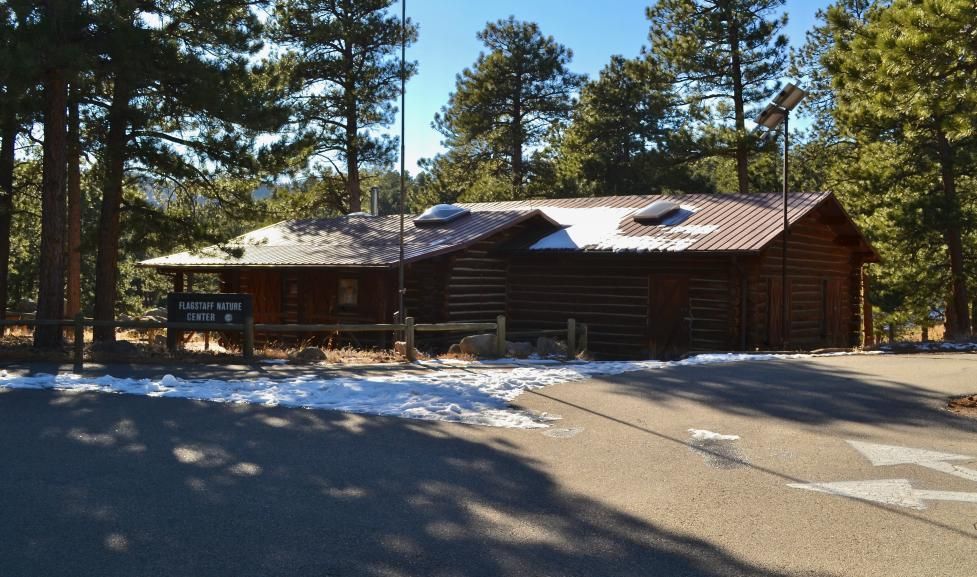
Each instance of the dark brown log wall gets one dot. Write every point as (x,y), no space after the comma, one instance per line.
(823,291)
(426,291)
(610,293)
(477,277)
(476,284)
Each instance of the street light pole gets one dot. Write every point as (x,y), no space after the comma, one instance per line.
(401,313)
(785,310)
(775,114)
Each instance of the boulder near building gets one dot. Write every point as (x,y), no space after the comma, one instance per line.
(651,276)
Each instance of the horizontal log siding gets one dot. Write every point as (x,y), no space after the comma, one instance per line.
(610,294)
(813,258)
(710,303)
(425,284)
(476,279)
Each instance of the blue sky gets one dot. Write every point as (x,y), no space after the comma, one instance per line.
(594,30)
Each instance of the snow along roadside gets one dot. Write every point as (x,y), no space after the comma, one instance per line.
(479,393)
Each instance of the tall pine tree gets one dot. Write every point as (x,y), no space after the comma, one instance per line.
(726,56)
(18,76)
(182,99)
(60,28)
(907,77)
(346,75)
(625,133)
(514,96)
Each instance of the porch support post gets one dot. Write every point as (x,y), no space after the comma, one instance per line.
(172,336)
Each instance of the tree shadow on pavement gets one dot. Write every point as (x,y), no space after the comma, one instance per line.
(799,392)
(96,484)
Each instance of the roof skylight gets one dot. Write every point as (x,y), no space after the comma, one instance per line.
(656,212)
(440,214)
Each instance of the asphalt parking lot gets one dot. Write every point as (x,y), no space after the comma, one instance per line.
(641,476)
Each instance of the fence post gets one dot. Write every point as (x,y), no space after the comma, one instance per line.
(571,339)
(248,336)
(79,344)
(500,335)
(409,351)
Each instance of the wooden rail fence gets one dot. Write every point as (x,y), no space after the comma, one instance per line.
(574,333)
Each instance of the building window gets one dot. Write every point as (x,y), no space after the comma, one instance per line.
(349,292)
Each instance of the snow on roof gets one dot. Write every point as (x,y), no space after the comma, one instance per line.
(597,228)
(704,222)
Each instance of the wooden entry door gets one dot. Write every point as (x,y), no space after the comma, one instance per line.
(775,313)
(834,322)
(669,318)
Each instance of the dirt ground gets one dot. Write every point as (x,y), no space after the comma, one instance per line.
(964,405)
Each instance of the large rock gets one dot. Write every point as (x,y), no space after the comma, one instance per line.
(478,345)
(518,350)
(157,315)
(400,349)
(309,355)
(114,348)
(547,347)
(455,349)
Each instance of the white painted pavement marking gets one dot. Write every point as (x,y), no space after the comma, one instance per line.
(898,492)
(945,496)
(880,455)
(888,491)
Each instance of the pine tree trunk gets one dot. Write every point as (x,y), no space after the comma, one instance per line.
(106,263)
(8,138)
(50,298)
(954,240)
(973,317)
(517,140)
(353,190)
(736,72)
(73,244)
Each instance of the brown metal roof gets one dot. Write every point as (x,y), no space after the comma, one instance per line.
(710,222)
(705,223)
(365,241)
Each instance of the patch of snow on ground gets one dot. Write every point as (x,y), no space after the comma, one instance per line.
(704,435)
(476,393)
(931,346)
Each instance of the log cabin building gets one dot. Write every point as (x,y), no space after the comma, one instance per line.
(651,276)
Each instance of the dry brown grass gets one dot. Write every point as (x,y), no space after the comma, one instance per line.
(457,357)
(916,334)
(966,405)
(350,355)
(150,347)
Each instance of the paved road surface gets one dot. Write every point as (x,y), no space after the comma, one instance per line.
(106,485)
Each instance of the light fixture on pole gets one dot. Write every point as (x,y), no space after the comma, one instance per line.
(775,114)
